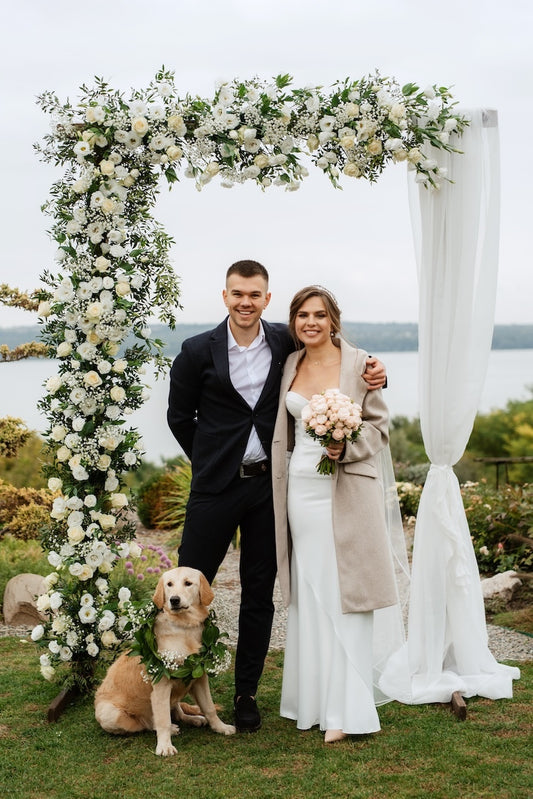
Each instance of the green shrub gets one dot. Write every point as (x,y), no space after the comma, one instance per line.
(25,469)
(23,511)
(409,496)
(161,500)
(176,487)
(501,522)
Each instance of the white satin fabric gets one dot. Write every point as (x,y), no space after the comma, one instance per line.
(332,660)
(456,234)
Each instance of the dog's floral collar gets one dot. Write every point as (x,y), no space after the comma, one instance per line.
(212,658)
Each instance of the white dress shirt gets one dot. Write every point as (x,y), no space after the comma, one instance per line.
(248,370)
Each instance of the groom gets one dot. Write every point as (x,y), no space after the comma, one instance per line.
(223,401)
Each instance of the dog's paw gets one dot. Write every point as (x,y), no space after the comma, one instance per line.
(174,729)
(165,750)
(225,729)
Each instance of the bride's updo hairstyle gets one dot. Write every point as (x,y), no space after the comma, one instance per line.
(330,303)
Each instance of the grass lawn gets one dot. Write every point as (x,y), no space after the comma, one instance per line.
(422,751)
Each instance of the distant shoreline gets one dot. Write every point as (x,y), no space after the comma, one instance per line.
(373,336)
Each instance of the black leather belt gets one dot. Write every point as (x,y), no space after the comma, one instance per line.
(254,469)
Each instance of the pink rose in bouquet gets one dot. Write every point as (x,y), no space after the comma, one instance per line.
(331,416)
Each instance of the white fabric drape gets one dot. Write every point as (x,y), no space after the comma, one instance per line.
(456,234)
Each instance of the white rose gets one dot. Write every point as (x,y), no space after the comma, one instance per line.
(44,309)
(139,126)
(55,484)
(122,288)
(43,603)
(63,454)
(102,264)
(176,124)
(103,463)
(56,600)
(135,550)
(107,167)
(119,367)
(37,633)
(76,534)
(108,205)
(117,394)
(58,432)
(118,500)
(374,147)
(94,310)
(48,672)
(54,383)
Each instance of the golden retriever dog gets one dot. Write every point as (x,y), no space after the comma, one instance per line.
(127,703)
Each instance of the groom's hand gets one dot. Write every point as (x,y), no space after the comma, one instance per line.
(375,373)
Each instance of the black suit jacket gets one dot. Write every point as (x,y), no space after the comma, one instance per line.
(208,417)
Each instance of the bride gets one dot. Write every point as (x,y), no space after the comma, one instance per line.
(334,561)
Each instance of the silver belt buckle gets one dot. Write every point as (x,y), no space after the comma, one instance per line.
(241,471)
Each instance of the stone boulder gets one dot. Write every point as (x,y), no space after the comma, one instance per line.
(501,586)
(20,606)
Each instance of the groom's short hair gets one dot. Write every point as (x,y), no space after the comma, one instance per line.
(248,269)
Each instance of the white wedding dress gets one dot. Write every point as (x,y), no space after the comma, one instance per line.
(328,669)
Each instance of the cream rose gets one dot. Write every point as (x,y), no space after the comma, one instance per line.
(374,147)
(140,126)
(44,309)
(108,205)
(107,168)
(92,379)
(103,463)
(117,394)
(352,170)
(119,500)
(174,152)
(122,288)
(63,454)
(76,534)
(64,349)
(261,160)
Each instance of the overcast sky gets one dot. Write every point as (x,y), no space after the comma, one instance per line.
(358,241)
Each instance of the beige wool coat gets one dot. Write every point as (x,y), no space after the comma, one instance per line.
(364,562)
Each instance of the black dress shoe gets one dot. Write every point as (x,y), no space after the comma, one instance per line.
(247,717)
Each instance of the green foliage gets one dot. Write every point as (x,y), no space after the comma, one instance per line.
(501,522)
(411,463)
(409,496)
(161,500)
(506,433)
(422,750)
(25,469)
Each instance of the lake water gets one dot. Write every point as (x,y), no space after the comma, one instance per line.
(509,373)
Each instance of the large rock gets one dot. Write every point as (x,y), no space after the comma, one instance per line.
(501,586)
(20,596)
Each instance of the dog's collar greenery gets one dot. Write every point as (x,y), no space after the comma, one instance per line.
(208,660)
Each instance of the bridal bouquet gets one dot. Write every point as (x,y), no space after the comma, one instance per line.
(331,416)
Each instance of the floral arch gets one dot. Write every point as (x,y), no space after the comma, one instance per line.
(114,274)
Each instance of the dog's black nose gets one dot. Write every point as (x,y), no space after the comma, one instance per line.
(175,602)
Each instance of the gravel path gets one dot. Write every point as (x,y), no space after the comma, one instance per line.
(504,644)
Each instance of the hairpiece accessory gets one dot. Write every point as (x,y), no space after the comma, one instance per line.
(327,292)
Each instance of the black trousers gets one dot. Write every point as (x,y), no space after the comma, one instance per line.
(210,524)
